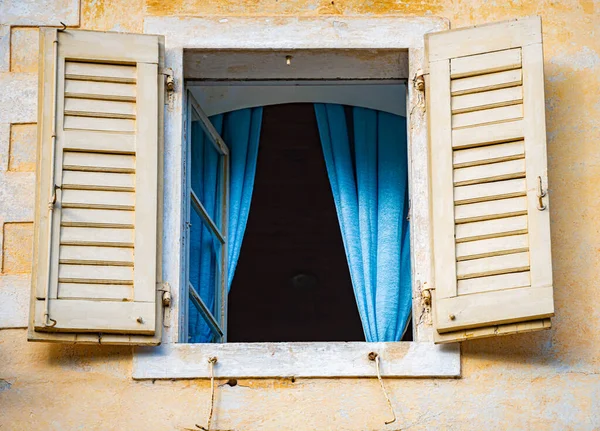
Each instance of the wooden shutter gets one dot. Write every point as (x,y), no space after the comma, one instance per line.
(490,213)
(95,256)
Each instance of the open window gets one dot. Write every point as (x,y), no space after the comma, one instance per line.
(97,273)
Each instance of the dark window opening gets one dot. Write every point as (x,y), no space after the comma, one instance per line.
(292,281)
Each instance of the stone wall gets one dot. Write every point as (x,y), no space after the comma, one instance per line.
(539,381)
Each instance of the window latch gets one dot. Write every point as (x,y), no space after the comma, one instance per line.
(165,288)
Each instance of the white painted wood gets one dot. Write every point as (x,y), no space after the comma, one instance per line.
(109,47)
(120,292)
(99,108)
(491,247)
(489,154)
(491,228)
(80,217)
(487,134)
(487,82)
(98,274)
(93,162)
(489,191)
(99,142)
(100,90)
(490,210)
(487,99)
(516,262)
(239,360)
(442,198)
(98,199)
(108,181)
(90,255)
(493,331)
(511,169)
(535,154)
(485,63)
(100,124)
(484,38)
(493,308)
(494,282)
(96,236)
(487,116)
(100,72)
(73,315)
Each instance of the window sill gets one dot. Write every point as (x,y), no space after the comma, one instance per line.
(310,360)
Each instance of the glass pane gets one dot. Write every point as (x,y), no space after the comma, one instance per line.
(199,331)
(206,171)
(204,274)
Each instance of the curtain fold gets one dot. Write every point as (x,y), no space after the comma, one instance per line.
(366,157)
(241,132)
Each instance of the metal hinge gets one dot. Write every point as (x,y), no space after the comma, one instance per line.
(426,294)
(165,288)
(170,81)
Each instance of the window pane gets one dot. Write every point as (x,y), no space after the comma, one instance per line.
(199,331)
(204,273)
(206,167)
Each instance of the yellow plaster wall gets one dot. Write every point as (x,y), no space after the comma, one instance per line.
(539,381)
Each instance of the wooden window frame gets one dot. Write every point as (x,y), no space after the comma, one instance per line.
(216,321)
(419,358)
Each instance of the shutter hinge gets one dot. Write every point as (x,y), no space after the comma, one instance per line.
(170,81)
(426,294)
(166,298)
(419,80)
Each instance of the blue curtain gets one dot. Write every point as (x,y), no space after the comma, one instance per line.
(241,132)
(366,157)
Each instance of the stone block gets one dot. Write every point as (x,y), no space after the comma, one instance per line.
(39,12)
(14,297)
(24,49)
(4,48)
(17,248)
(22,147)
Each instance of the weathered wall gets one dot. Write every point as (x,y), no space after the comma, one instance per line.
(540,381)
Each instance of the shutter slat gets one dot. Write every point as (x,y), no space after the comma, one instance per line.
(99,142)
(487,82)
(489,154)
(100,90)
(485,63)
(93,162)
(80,217)
(487,134)
(108,274)
(494,282)
(491,247)
(100,124)
(119,292)
(98,181)
(99,108)
(91,255)
(487,100)
(487,116)
(491,240)
(97,236)
(491,229)
(489,173)
(100,72)
(98,199)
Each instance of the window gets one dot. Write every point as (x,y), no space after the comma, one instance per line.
(485,102)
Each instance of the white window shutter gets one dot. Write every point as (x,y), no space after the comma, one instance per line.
(490,211)
(96,253)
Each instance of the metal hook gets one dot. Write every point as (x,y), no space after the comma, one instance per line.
(540,194)
(47,321)
(64,26)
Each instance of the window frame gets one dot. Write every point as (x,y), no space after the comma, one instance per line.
(419,358)
(218,322)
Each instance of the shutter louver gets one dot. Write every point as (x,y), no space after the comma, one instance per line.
(103,238)
(491,234)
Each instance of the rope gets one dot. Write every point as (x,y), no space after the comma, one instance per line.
(375,357)
(212,361)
